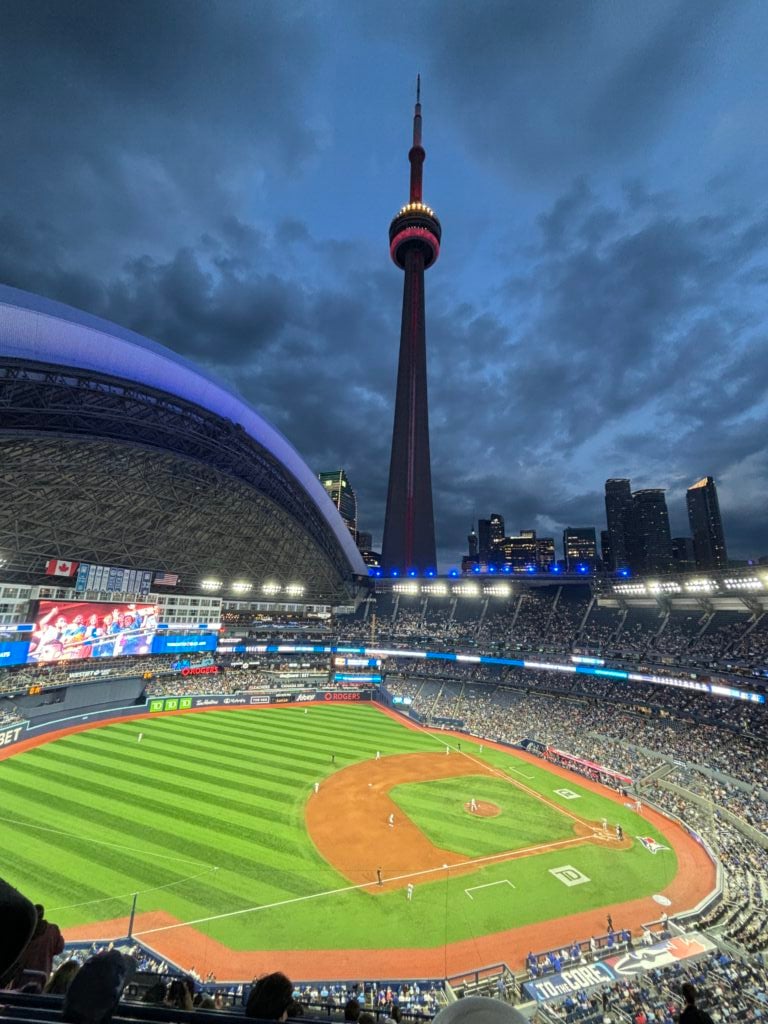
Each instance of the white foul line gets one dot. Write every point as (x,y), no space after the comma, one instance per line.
(501,881)
(507,854)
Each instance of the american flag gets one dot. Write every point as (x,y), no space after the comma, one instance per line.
(166,579)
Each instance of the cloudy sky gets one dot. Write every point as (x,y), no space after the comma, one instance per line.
(221,176)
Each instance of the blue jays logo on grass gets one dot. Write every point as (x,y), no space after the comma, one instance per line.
(650,844)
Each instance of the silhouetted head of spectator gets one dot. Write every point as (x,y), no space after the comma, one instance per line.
(155,994)
(97,987)
(352,1010)
(396,1013)
(178,995)
(689,993)
(18,920)
(366,1018)
(479,1010)
(271,998)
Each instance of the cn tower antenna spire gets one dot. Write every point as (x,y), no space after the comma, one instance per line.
(417,154)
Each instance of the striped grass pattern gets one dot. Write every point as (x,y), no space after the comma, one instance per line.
(205,818)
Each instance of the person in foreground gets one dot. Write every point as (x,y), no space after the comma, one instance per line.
(692,1014)
(271,998)
(479,1010)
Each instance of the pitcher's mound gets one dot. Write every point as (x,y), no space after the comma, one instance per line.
(485,809)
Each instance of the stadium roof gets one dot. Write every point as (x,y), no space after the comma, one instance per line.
(107,408)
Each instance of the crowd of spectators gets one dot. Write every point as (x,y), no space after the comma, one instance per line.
(727,989)
(583,716)
(562,621)
(742,915)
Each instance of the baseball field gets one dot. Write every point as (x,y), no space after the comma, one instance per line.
(288,836)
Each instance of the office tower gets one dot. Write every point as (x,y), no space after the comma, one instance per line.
(651,530)
(683,555)
(519,552)
(472,542)
(579,547)
(619,511)
(545,552)
(496,529)
(706,524)
(414,245)
(339,490)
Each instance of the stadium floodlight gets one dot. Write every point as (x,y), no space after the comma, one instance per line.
(466,590)
(438,589)
(295,589)
(701,585)
(271,588)
(211,584)
(497,590)
(241,587)
(405,588)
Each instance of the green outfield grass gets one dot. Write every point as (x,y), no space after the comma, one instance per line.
(205,817)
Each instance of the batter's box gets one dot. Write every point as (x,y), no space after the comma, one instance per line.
(569,875)
(568,794)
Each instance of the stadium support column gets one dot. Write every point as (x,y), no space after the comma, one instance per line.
(409,526)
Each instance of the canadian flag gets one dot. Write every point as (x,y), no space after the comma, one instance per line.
(56,568)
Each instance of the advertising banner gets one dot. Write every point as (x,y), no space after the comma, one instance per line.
(13,652)
(166,642)
(12,734)
(68,630)
(613,968)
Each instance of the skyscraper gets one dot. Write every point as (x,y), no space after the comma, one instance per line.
(651,529)
(339,490)
(579,547)
(706,524)
(496,529)
(619,510)
(414,245)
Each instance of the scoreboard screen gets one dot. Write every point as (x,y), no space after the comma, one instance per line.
(350,670)
(69,630)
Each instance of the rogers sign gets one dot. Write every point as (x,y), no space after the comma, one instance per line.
(342,696)
(200,670)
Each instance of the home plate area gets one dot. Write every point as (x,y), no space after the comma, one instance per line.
(476,888)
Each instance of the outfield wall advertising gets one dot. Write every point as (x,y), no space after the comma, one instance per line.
(21,731)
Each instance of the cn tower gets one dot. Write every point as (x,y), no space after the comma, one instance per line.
(414,245)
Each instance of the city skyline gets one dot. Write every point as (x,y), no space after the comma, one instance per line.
(221,180)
